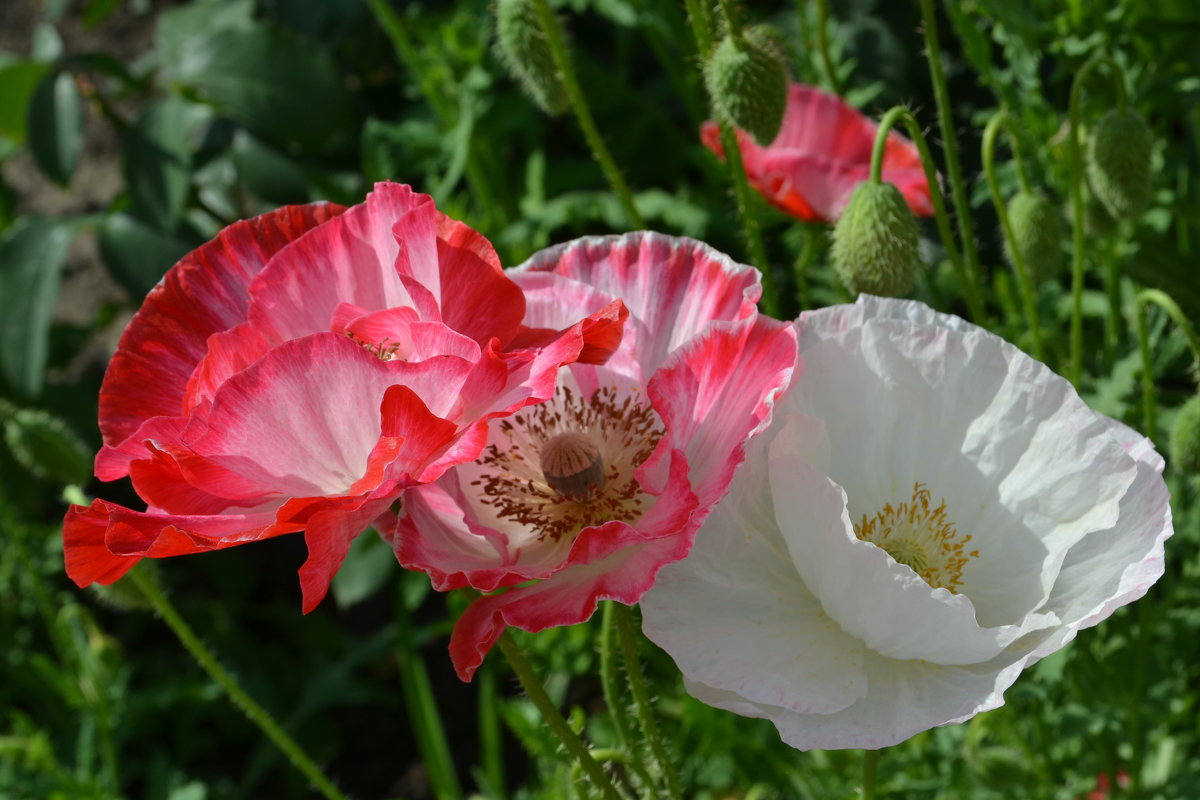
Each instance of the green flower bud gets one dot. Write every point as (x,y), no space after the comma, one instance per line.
(522,47)
(875,242)
(1118,163)
(747,81)
(1037,229)
(1185,438)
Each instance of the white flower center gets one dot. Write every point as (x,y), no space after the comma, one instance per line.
(569,463)
(920,538)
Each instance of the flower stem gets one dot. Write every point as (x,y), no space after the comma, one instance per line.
(608,675)
(701,31)
(745,205)
(941,217)
(571,741)
(1075,369)
(556,40)
(823,46)
(870,768)
(946,122)
(808,252)
(1028,301)
(208,662)
(641,697)
(1164,301)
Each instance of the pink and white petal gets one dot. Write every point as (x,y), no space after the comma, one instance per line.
(478,299)
(352,260)
(718,390)
(674,287)
(328,536)
(206,292)
(734,614)
(229,352)
(553,304)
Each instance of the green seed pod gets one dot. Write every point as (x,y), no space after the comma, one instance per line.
(1185,438)
(875,242)
(1118,163)
(748,84)
(1037,229)
(522,47)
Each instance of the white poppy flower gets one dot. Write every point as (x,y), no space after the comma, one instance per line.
(930,512)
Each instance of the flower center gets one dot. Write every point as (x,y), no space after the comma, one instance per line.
(921,538)
(384,350)
(568,463)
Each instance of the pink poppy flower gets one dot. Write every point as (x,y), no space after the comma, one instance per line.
(821,153)
(300,370)
(589,494)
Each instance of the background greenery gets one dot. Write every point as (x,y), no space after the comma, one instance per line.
(130,132)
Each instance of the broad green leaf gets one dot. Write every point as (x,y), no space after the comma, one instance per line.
(56,126)
(97,11)
(278,84)
(158,161)
(47,44)
(32,253)
(45,446)
(368,565)
(268,173)
(137,255)
(179,27)
(17,84)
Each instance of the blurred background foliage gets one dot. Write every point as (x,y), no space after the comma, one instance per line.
(131,131)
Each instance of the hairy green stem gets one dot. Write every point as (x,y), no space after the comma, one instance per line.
(870,771)
(1163,301)
(556,40)
(974,300)
(823,45)
(941,92)
(744,197)
(491,749)
(701,29)
(732,22)
(1002,119)
(554,718)
(641,699)
(808,251)
(609,678)
(233,690)
(1075,149)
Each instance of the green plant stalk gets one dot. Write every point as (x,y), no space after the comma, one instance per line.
(1164,301)
(606,755)
(641,698)
(556,40)
(1075,368)
(1112,291)
(745,204)
(609,678)
(958,192)
(870,773)
(491,750)
(1149,406)
(571,741)
(393,28)
(975,307)
(423,713)
(701,30)
(733,23)
(808,252)
(823,45)
(1028,299)
(233,690)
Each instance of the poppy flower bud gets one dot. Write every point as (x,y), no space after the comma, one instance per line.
(1037,232)
(522,46)
(1185,438)
(875,242)
(1118,163)
(748,83)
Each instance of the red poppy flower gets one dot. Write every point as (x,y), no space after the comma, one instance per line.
(821,153)
(302,369)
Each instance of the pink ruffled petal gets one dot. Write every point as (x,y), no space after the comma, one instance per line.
(203,294)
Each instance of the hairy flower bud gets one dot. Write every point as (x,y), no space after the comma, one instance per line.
(522,46)
(1037,229)
(748,83)
(875,242)
(1185,438)
(1118,163)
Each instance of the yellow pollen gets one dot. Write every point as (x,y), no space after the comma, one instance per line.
(921,538)
(572,465)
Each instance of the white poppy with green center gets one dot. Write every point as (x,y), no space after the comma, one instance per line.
(930,512)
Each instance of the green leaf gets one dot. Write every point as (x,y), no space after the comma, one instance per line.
(158,161)
(268,173)
(278,84)
(17,83)
(45,446)
(368,565)
(32,253)
(56,126)
(137,255)
(178,28)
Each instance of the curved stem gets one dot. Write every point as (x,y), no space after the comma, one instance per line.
(1149,405)
(823,46)
(900,113)
(571,741)
(556,40)
(233,690)
(745,205)
(870,770)
(1077,212)
(641,697)
(1028,301)
(1164,301)
(946,122)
